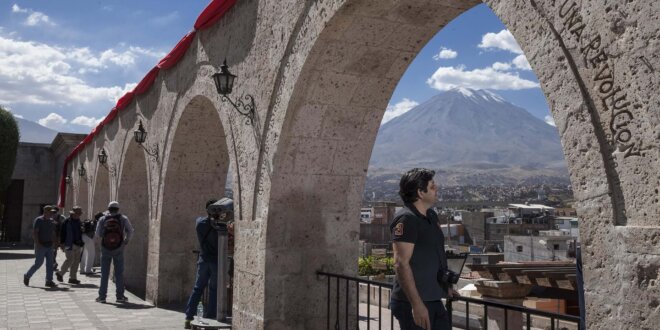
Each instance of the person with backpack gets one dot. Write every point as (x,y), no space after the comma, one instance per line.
(114,230)
(207,263)
(89,249)
(72,243)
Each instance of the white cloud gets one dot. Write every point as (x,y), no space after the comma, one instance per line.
(86,121)
(446,78)
(499,66)
(37,73)
(501,40)
(398,109)
(550,121)
(18,116)
(53,121)
(445,53)
(34,18)
(521,62)
(16,9)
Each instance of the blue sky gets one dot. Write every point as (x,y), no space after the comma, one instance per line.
(64,63)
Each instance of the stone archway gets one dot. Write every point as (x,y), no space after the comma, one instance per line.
(196,170)
(352,62)
(133,198)
(101,195)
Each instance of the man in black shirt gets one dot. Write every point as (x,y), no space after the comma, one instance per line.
(419,256)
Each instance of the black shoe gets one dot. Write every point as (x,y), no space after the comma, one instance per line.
(100,300)
(26,280)
(122,299)
(72,281)
(51,284)
(59,277)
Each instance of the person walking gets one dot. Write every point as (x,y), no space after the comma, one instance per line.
(89,249)
(71,237)
(44,240)
(114,230)
(58,219)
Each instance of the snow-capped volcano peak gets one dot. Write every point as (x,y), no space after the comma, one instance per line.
(476,95)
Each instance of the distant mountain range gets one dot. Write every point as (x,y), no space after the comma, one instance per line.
(33,132)
(471,137)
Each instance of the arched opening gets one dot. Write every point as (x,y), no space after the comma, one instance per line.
(197,169)
(101,189)
(133,198)
(328,134)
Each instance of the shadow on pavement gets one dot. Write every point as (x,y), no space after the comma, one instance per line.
(13,256)
(129,305)
(57,288)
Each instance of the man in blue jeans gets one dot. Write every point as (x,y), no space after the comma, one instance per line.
(114,230)
(207,264)
(44,239)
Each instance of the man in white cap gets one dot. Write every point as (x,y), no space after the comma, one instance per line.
(114,230)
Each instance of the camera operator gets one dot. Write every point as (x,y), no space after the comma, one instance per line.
(219,214)
(420,261)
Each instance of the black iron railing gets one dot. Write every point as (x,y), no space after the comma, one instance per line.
(344,283)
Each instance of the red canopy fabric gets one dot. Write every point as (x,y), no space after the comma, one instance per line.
(209,16)
(147,81)
(212,13)
(176,54)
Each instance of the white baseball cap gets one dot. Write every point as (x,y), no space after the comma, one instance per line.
(113,204)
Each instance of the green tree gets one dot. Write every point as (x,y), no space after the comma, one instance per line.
(8,147)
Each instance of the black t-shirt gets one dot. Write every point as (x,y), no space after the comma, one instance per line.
(428,256)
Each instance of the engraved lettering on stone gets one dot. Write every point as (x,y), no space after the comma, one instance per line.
(613,99)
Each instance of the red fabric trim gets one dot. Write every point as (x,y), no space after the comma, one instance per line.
(147,81)
(177,52)
(124,101)
(212,13)
(209,16)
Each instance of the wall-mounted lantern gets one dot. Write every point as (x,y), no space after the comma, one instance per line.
(224,84)
(140,137)
(103,160)
(82,172)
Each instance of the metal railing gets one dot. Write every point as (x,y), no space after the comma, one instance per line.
(344,283)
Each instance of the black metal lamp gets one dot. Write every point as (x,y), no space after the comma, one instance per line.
(103,160)
(103,157)
(140,137)
(224,84)
(82,172)
(140,134)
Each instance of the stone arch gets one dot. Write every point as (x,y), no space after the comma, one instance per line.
(83,183)
(133,198)
(195,168)
(334,111)
(101,195)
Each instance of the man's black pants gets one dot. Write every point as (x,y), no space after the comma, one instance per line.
(438,316)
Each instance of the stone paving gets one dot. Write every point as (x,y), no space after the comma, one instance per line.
(69,306)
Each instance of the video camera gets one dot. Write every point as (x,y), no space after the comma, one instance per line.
(455,263)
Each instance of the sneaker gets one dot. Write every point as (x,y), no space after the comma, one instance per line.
(122,299)
(26,280)
(100,300)
(186,325)
(60,278)
(51,284)
(74,281)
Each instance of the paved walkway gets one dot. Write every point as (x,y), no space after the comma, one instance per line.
(69,306)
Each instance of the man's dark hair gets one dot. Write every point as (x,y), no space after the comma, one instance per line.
(98,215)
(210,201)
(412,181)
